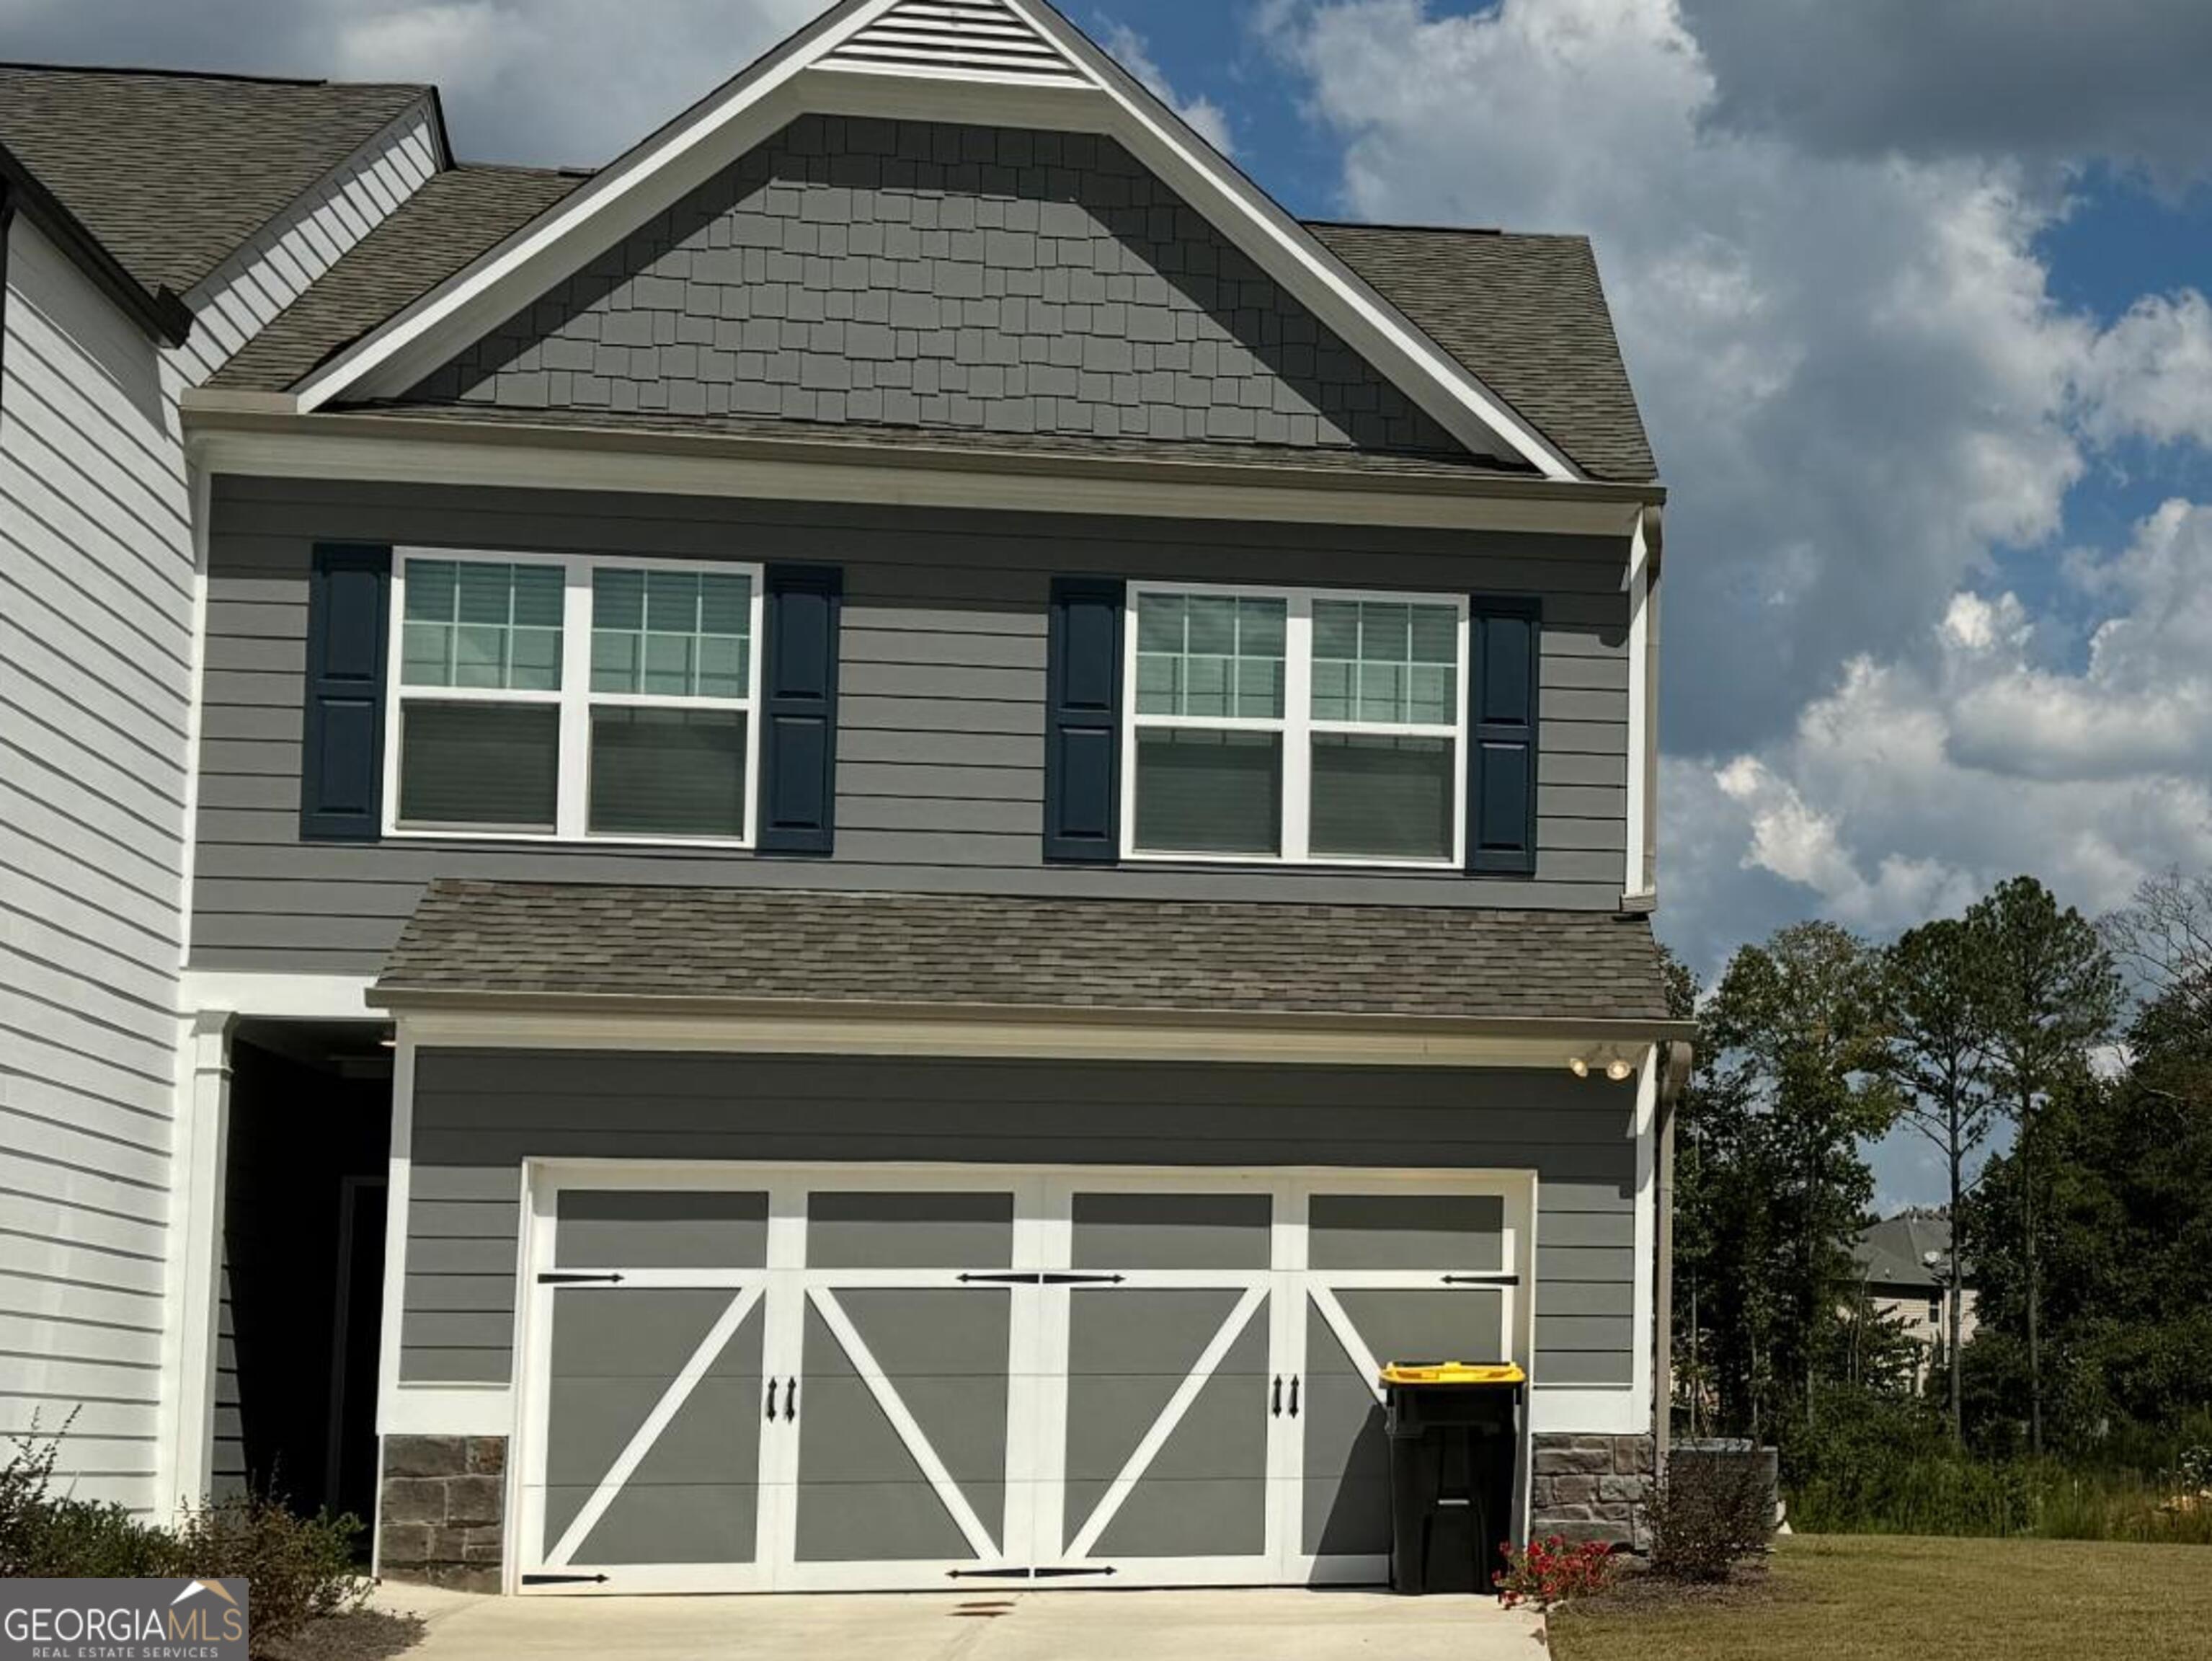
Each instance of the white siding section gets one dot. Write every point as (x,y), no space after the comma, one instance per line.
(96,693)
(98,668)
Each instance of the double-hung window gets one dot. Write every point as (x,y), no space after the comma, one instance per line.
(1300,726)
(564,697)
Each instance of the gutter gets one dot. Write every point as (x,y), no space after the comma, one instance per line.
(160,312)
(211,410)
(1535,1029)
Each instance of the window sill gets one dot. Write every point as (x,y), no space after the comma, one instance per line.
(555,840)
(1276,862)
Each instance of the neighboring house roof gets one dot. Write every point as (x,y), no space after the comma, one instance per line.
(1892,1253)
(173,171)
(1524,313)
(588,942)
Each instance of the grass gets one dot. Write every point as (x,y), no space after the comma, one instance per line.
(1883,1598)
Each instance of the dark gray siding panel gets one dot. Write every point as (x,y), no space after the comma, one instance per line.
(478,1114)
(942,663)
(928,274)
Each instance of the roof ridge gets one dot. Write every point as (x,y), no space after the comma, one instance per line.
(165,72)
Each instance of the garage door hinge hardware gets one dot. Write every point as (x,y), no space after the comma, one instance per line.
(1062,1574)
(1032,1278)
(1482,1280)
(564,1580)
(1016,1279)
(1083,1281)
(553,1280)
(1023,1574)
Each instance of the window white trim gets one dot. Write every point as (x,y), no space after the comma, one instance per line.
(1297,726)
(574,698)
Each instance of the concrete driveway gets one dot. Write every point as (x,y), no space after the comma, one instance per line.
(1056,1626)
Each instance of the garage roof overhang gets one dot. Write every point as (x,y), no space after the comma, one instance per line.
(574,965)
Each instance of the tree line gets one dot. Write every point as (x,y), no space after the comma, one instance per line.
(2061,1069)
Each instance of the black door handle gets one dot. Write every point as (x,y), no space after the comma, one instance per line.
(1276,1406)
(771,1401)
(1294,1396)
(790,1400)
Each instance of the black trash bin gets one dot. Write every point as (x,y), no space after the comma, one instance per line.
(1455,1432)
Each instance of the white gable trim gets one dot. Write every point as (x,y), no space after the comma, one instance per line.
(797,79)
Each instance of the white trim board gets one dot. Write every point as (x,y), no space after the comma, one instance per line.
(274,996)
(261,442)
(391,358)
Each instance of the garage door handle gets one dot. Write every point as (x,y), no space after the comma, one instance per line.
(1275,1405)
(790,1400)
(1294,1396)
(771,1401)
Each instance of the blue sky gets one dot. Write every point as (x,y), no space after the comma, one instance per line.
(1913,300)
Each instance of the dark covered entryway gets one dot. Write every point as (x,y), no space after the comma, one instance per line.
(303,1264)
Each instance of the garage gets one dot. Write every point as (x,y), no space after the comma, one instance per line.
(739,1377)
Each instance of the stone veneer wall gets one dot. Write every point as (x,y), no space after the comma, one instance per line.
(444,1504)
(1592,1488)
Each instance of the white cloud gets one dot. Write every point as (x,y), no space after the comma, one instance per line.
(1134,53)
(545,82)
(1867,403)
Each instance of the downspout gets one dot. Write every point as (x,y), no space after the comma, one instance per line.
(1673,1076)
(1654,561)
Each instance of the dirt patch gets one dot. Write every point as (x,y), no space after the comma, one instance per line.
(364,1636)
(1637,1590)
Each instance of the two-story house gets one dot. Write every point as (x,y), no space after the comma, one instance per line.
(898,827)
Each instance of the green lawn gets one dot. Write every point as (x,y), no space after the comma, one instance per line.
(1891,1598)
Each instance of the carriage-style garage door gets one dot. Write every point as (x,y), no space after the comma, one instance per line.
(739,1380)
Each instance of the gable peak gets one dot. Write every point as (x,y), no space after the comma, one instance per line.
(969,39)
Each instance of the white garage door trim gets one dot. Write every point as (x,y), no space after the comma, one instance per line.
(1280,1309)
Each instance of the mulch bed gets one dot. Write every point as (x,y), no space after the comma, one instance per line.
(364,1636)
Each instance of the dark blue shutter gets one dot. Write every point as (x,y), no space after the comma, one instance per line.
(342,751)
(1083,721)
(1501,774)
(799,713)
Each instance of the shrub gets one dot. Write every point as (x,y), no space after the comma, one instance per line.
(1551,1570)
(44,1535)
(299,1568)
(1710,1512)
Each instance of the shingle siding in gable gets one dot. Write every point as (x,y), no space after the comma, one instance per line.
(931,275)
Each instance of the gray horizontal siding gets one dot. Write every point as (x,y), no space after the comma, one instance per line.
(941,740)
(478,1114)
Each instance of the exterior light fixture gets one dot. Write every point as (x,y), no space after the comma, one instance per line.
(1618,1068)
(1578,1067)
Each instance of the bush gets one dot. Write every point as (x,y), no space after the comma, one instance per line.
(1549,1571)
(52,1536)
(296,1568)
(299,1568)
(1709,1512)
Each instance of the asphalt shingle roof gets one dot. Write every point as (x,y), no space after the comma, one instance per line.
(955,950)
(173,171)
(1527,314)
(456,215)
(1892,1253)
(1524,313)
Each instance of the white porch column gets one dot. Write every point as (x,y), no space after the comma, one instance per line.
(199,1158)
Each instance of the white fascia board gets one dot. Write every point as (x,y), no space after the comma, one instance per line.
(337,446)
(830,1031)
(392,358)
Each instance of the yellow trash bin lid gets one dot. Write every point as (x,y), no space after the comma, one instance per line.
(1453,1372)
